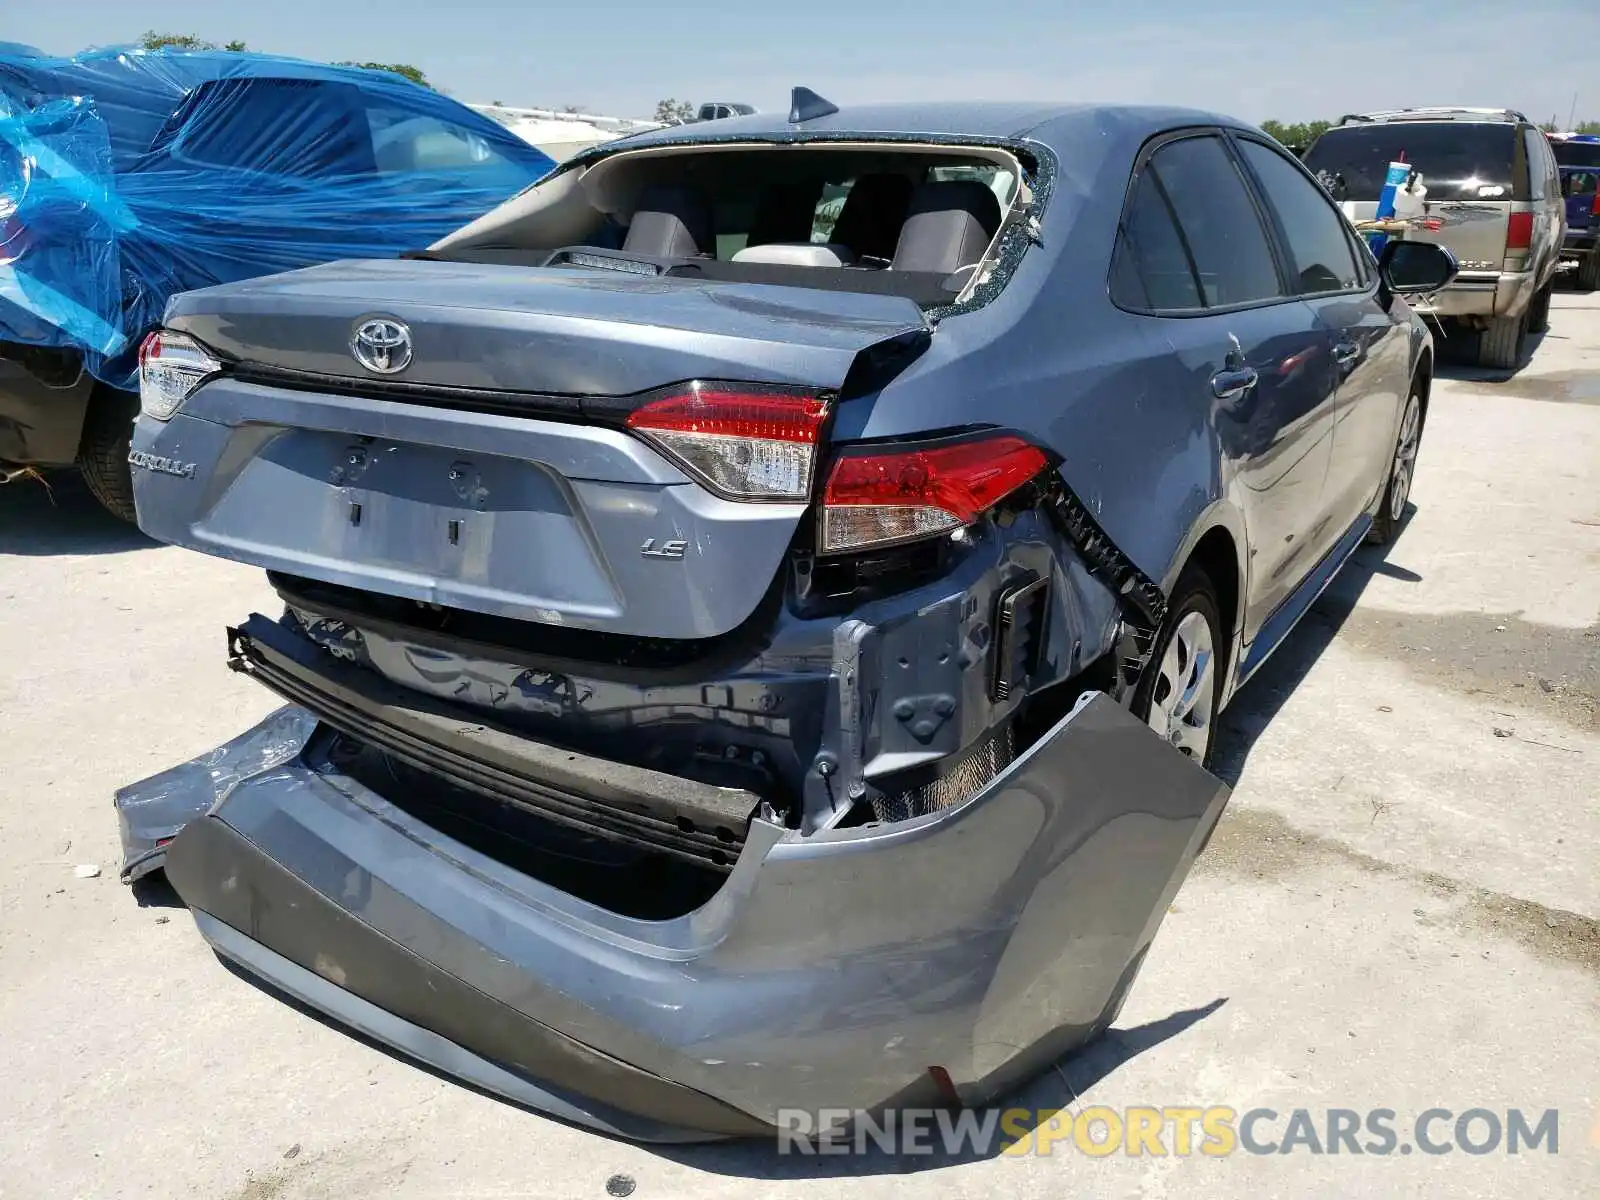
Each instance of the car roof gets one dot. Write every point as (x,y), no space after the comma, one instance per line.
(1057,125)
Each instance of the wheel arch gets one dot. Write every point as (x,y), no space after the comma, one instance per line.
(1215,546)
(1422,382)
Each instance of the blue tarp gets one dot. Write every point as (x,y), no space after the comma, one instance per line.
(127,176)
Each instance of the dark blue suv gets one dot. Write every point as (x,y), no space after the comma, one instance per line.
(1579,159)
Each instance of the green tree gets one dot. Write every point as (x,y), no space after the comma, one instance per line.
(174,41)
(183,41)
(405,69)
(1302,133)
(673,112)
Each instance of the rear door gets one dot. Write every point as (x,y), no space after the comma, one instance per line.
(1548,211)
(1371,352)
(1195,254)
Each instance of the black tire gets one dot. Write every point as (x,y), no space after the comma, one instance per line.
(1589,271)
(1391,515)
(1500,345)
(1195,593)
(1539,313)
(103,450)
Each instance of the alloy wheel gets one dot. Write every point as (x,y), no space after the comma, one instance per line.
(1405,460)
(1184,699)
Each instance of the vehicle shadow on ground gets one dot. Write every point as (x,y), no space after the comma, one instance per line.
(1458,358)
(153,891)
(1258,702)
(1059,1088)
(55,513)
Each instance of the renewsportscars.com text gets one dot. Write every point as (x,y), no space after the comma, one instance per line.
(1177,1130)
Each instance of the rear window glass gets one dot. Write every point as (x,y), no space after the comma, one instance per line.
(1458,160)
(1577,154)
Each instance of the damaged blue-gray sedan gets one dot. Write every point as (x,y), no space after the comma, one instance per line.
(757,603)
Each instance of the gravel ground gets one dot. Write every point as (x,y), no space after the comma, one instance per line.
(1398,910)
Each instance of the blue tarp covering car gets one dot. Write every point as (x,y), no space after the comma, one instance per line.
(128,176)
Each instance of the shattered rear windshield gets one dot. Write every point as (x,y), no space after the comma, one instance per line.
(925,222)
(1458,160)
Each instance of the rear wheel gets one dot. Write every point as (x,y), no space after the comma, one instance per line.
(1539,313)
(1182,682)
(1397,491)
(1589,270)
(1500,345)
(103,450)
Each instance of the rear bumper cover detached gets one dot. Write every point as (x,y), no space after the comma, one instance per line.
(832,970)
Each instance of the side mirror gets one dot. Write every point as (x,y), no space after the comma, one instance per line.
(1416,268)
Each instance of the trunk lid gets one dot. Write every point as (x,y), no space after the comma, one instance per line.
(563,331)
(491,473)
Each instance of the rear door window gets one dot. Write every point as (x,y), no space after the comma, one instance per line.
(1538,163)
(1315,231)
(1150,270)
(1218,220)
(1458,160)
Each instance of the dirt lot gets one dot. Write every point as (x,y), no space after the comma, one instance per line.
(1398,911)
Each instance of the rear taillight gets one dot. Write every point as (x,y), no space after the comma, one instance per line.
(749,443)
(1519,231)
(1594,209)
(885,496)
(170,367)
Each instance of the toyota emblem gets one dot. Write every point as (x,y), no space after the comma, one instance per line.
(382,345)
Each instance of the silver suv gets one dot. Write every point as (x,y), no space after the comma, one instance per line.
(1492,180)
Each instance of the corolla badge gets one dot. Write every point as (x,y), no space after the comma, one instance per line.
(382,345)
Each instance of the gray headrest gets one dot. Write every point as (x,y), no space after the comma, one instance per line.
(948,226)
(670,222)
(873,212)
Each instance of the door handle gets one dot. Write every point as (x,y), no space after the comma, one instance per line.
(1232,382)
(1346,353)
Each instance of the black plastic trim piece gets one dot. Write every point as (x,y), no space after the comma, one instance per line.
(1018,619)
(698,822)
(500,402)
(1140,596)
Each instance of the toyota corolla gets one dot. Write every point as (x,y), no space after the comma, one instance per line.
(757,604)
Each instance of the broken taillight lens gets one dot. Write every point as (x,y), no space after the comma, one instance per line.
(170,367)
(886,496)
(745,443)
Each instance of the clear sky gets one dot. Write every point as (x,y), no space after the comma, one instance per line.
(1294,60)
